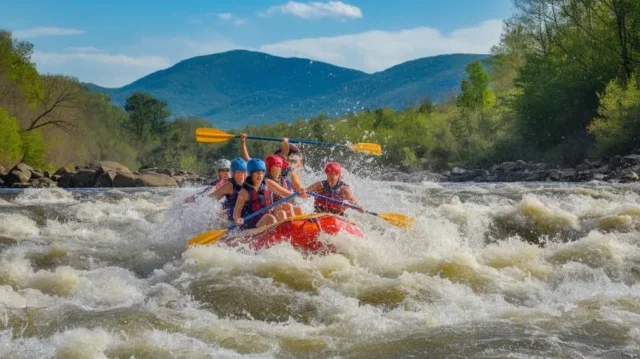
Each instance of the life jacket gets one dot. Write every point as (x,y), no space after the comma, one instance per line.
(284,182)
(230,199)
(220,183)
(258,199)
(335,192)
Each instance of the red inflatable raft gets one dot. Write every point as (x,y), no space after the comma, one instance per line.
(302,232)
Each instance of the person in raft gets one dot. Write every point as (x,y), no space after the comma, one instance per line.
(274,165)
(291,155)
(256,194)
(229,190)
(334,188)
(222,167)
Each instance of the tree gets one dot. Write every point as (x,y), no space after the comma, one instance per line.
(17,73)
(59,104)
(10,141)
(147,116)
(476,94)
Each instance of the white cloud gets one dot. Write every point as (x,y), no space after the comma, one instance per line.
(83,49)
(225,16)
(46,31)
(239,21)
(316,9)
(154,62)
(373,51)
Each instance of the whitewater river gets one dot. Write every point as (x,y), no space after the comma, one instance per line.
(488,271)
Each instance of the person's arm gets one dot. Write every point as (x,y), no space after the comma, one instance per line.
(296,181)
(348,195)
(237,210)
(226,188)
(275,187)
(316,187)
(244,153)
(284,147)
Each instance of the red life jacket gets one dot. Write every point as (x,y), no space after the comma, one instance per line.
(335,192)
(257,199)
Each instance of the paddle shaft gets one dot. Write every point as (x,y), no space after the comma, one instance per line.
(259,212)
(318,195)
(293,140)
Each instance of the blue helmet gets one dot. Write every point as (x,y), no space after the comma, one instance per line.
(238,164)
(256,164)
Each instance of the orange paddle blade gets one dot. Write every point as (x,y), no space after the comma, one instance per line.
(212,135)
(210,237)
(370,148)
(397,219)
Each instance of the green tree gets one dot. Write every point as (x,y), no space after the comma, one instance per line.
(147,116)
(617,126)
(475,92)
(17,70)
(10,141)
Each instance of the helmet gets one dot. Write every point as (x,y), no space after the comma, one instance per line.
(222,164)
(256,164)
(274,160)
(333,167)
(238,164)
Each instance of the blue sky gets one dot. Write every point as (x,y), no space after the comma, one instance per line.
(112,43)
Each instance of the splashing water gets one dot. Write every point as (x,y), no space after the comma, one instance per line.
(500,270)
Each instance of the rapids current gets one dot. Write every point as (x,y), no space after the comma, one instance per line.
(488,271)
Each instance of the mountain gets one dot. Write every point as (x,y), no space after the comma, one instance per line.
(237,88)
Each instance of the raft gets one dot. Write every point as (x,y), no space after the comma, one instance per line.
(303,232)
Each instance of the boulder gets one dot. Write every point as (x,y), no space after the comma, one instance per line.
(105,179)
(123,179)
(84,178)
(632,160)
(2,170)
(104,166)
(152,179)
(18,176)
(37,174)
(61,172)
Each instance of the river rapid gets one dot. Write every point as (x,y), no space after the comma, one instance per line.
(488,271)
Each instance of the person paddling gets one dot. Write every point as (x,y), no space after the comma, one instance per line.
(291,155)
(256,194)
(274,172)
(223,170)
(334,188)
(229,190)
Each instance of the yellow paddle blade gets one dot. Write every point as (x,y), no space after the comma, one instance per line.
(212,135)
(397,219)
(370,148)
(210,237)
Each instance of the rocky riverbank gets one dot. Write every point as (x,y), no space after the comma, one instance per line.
(619,169)
(112,174)
(102,174)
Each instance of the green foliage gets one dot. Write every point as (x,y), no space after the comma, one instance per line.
(617,126)
(33,148)
(147,117)
(10,141)
(16,68)
(476,94)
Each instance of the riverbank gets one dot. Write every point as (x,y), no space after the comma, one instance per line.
(617,169)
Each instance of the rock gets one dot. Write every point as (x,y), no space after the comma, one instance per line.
(2,170)
(61,172)
(105,179)
(123,179)
(152,179)
(47,174)
(563,175)
(112,166)
(457,171)
(65,180)
(168,171)
(520,164)
(628,176)
(615,162)
(55,177)
(598,177)
(84,179)
(632,160)
(36,174)
(17,176)
(22,167)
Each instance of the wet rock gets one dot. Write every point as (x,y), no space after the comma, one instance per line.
(36,174)
(615,162)
(123,179)
(18,176)
(84,178)
(65,180)
(105,179)
(47,174)
(61,172)
(632,160)
(112,166)
(152,179)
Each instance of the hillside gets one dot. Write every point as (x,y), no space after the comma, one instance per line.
(239,87)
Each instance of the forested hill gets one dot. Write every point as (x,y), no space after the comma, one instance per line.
(239,87)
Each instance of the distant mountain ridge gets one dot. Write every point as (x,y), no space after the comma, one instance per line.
(239,87)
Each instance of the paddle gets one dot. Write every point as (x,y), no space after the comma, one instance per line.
(214,235)
(395,219)
(212,135)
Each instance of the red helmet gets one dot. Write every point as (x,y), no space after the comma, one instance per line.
(333,167)
(274,160)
